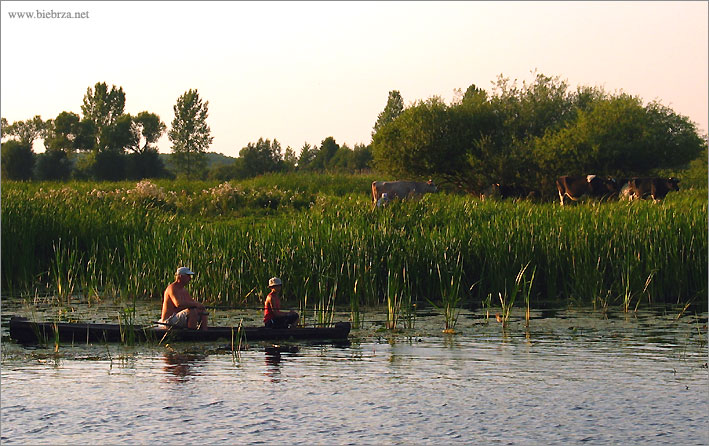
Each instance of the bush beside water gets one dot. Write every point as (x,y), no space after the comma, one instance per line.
(320,234)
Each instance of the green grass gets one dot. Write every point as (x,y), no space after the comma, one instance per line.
(321,236)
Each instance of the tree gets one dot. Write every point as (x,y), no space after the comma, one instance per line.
(66,132)
(145,164)
(361,157)
(190,134)
(25,131)
(393,108)
(147,129)
(103,107)
(307,156)
(426,140)
(109,165)
(53,165)
(259,158)
(342,160)
(290,160)
(327,150)
(618,136)
(18,160)
(120,136)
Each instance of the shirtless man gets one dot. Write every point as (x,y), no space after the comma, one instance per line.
(178,308)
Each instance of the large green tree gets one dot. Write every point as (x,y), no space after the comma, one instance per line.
(17,160)
(190,134)
(68,133)
(619,136)
(259,158)
(103,107)
(429,139)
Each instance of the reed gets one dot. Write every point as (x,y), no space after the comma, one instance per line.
(321,236)
(520,285)
(450,296)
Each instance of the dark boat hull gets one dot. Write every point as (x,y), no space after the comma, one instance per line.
(27,332)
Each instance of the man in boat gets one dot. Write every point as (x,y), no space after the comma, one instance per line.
(273,317)
(178,308)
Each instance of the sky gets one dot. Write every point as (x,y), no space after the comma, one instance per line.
(303,71)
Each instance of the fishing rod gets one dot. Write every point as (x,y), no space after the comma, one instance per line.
(218,307)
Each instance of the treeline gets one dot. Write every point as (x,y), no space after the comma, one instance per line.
(107,144)
(117,145)
(265,156)
(528,136)
(521,136)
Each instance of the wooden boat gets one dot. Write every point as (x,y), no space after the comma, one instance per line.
(25,331)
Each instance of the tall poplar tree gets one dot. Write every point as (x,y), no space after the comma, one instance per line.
(190,134)
(104,108)
(394,107)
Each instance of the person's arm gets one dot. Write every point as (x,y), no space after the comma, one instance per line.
(183,301)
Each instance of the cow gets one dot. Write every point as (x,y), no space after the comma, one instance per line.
(400,189)
(657,188)
(623,185)
(503,191)
(576,187)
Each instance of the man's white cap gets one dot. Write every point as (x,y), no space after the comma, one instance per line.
(183,270)
(273,281)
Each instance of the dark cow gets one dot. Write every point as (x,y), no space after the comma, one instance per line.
(657,188)
(576,187)
(400,189)
(503,191)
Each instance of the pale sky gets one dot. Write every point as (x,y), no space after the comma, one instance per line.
(303,71)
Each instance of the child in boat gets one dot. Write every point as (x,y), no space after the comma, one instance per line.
(178,308)
(273,317)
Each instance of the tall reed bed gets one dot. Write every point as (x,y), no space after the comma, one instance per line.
(453,251)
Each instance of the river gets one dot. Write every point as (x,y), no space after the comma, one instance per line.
(574,376)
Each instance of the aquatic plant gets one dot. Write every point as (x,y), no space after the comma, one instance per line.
(104,241)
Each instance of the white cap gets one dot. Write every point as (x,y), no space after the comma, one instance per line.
(273,281)
(183,270)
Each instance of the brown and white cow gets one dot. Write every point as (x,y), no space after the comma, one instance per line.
(577,187)
(400,189)
(657,188)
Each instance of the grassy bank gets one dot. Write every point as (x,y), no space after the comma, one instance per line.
(321,236)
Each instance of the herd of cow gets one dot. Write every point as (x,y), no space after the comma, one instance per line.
(631,188)
(571,187)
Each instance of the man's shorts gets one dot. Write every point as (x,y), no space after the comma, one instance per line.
(282,321)
(177,319)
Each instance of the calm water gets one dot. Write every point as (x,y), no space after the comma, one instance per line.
(573,377)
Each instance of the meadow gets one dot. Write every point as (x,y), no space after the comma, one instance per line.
(320,234)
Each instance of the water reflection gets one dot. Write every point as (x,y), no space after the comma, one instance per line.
(181,365)
(273,360)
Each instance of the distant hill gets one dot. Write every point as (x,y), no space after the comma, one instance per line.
(213,160)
